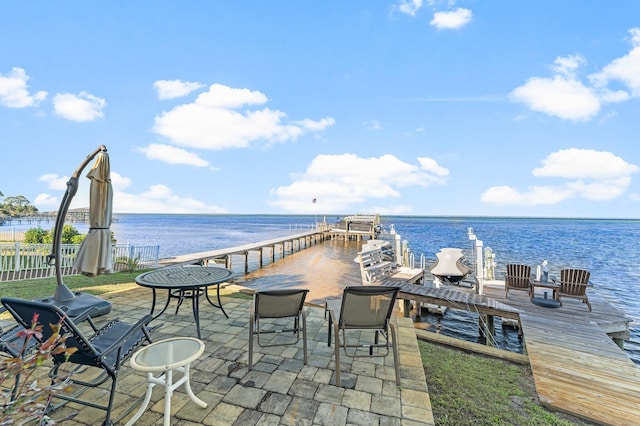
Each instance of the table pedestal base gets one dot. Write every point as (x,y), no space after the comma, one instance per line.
(545,302)
(166,380)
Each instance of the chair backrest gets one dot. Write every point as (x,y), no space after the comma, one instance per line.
(518,275)
(279,303)
(574,281)
(367,307)
(24,310)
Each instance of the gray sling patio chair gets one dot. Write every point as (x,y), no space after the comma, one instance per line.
(278,307)
(106,349)
(518,277)
(574,283)
(365,308)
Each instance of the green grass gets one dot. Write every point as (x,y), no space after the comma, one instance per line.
(43,287)
(471,389)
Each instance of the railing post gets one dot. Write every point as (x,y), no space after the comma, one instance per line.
(17,257)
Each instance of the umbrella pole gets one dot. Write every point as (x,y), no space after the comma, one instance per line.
(62,292)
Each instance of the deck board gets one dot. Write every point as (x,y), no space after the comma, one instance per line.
(576,365)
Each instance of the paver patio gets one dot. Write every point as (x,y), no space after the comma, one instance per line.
(281,390)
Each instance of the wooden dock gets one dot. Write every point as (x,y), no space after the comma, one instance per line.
(578,367)
(286,244)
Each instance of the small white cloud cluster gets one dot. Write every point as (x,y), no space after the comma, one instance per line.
(14,93)
(80,107)
(171,89)
(452,20)
(565,96)
(589,174)
(443,20)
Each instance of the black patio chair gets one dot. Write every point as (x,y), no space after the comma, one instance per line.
(106,349)
(275,305)
(365,308)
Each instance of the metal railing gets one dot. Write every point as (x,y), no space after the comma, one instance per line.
(20,261)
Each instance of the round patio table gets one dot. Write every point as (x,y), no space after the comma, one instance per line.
(185,282)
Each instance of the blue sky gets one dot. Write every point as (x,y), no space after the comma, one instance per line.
(502,108)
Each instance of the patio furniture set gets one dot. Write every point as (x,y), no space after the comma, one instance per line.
(279,313)
(573,283)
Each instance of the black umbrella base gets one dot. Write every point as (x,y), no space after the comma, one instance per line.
(80,303)
(547,303)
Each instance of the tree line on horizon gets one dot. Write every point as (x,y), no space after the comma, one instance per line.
(15,206)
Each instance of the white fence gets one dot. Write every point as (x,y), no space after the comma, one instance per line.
(20,261)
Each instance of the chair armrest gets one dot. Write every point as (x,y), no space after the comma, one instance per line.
(138,326)
(86,316)
(332,315)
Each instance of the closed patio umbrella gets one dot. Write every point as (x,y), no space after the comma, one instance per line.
(95,254)
(74,303)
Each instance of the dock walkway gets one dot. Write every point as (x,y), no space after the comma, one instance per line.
(578,369)
(577,366)
(295,241)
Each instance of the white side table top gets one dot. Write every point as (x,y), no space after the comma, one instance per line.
(167,354)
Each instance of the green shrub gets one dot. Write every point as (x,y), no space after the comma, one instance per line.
(35,236)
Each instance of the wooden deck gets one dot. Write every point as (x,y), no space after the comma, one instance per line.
(577,366)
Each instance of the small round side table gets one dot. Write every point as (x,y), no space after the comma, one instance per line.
(166,356)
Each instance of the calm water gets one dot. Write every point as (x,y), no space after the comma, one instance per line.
(610,249)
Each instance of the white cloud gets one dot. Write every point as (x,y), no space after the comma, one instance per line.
(592,175)
(160,199)
(452,20)
(430,165)
(171,89)
(410,7)
(14,91)
(172,155)
(625,69)
(46,202)
(340,182)
(575,163)
(568,65)
(81,107)
(214,122)
(559,96)
(119,182)
(54,181)
(155,199)
(566,97)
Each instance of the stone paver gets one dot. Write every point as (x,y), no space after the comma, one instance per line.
(280,390)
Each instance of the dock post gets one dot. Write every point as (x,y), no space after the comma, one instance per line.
(260,259)
(486,328)
(407,308)
(246,262)
(619,342)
